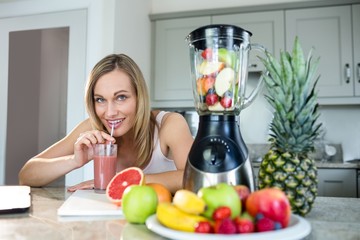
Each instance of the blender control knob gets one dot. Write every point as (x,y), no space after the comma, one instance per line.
(214,154)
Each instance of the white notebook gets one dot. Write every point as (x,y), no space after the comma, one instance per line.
(88,203)
(14,199)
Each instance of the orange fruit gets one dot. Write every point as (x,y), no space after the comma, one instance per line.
(118,184)
(164,195)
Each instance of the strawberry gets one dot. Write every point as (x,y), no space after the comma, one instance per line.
(225,226)
(211,99)
(207,53)
(221,213)
(245,223)
(204,227)
(226,102)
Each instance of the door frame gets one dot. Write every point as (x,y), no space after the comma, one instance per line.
(85,49)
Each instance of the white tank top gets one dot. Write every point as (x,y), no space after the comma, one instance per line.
(159,162)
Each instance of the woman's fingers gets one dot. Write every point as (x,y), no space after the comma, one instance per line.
(93,137)
(84,185)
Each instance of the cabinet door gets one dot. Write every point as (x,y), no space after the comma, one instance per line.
(267,29)
(329,31)
(172,62)
(356,35)
(337,182)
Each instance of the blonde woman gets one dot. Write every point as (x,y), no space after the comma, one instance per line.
(116,93)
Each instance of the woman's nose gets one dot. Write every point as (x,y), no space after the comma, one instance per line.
(111,109)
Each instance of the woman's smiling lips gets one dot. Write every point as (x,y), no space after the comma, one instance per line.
(116,123)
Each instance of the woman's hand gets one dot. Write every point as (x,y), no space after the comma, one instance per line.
(84,185)
(83,147)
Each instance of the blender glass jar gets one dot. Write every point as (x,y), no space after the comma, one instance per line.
(219,68)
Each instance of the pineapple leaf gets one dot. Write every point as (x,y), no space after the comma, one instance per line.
(286,69)
(291,86)
(298,62)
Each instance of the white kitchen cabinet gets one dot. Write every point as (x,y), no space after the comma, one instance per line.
(172,84)
(356,41)
(329,31)
(337,182)
(332,182)
(267,29)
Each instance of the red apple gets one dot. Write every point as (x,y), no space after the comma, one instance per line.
(272,203)
(243,191)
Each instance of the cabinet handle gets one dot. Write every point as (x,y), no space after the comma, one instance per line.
(333,181)
(347,73)
(358,72)
(253,65)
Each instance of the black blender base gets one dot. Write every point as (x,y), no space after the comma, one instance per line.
(218,154)
(195,179)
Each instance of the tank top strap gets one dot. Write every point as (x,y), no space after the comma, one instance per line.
(160,116)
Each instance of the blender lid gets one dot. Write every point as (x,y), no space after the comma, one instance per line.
(218,31)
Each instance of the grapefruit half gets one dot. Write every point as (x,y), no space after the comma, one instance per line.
(118,184)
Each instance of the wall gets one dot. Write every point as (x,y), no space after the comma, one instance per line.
(36,95)
(23,98)
(53,86)
(133,31)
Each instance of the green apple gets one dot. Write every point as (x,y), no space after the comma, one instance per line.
(138,203)
(224,81)
(218,195)
(227,56)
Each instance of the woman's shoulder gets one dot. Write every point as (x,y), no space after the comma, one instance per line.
(167,117)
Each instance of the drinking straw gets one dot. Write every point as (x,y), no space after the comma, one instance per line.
(108,147)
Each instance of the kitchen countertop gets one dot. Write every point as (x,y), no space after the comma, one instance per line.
(330,218)
(326,164)
(257,151)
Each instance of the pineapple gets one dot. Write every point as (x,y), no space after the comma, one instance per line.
(291,92)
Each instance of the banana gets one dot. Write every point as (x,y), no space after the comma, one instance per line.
(172,217)
(189,202)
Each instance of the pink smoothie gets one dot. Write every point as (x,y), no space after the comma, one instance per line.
(104,171)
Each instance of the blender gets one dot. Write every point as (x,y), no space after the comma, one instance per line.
(219,69)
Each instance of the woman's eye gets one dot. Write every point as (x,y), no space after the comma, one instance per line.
(99,100)
(121,97)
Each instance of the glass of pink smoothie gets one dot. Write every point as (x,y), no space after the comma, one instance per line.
(105,156)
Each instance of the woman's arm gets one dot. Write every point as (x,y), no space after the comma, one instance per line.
(62,157)
(176,141)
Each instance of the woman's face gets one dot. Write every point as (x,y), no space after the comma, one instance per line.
(115,102)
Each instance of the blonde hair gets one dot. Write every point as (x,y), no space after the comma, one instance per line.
(145,123)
